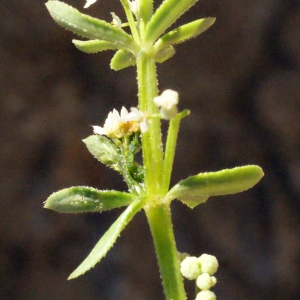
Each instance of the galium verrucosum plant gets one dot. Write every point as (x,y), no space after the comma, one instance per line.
(141,41)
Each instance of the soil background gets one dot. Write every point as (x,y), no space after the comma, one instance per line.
(241,81)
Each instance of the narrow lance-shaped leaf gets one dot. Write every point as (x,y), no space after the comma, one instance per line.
(108,239)
(86,26)
(104,150)
(184,33)
(94,46)
(168,12)
(81,199)
(121,60)
(196,189)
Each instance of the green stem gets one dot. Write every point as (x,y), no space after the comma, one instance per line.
(159,218)
(158,214)
(151,140)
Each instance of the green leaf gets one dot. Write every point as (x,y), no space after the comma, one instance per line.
(184,32)
(121,60)
(94,46)
(104,150)
(196,189)
(86,26)
(108,239)
(80,199)
(164,54)
(168,12)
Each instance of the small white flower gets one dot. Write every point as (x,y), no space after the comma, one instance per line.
(205,281)
(89,3)
(209,263)
(113,124)
(117,125)
(167,102)
(206,295)
(139,116)
(133,6)
(190,267)
(116,20)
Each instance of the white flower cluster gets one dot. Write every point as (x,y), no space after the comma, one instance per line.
(201,269)
(167,102)
(117,125)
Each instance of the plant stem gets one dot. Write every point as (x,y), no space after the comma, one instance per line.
(159,218)
(151,140)
(158,214)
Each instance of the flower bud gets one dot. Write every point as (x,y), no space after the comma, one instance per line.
(206,295)
(205,281)
(190,267)
(209,264)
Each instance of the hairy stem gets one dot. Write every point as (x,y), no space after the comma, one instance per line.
(151,140)
(159,218)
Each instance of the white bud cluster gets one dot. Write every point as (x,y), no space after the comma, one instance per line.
(167,102)
(201,269)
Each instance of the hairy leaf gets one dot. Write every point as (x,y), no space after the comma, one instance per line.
(80,199)
(184,32)
(196,189)
(104,150)
(108,239)
(94,46)
(121,60)
(86,26)
(168,12)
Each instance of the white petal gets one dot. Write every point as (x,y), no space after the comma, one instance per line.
(109,122)
(134,115)
(99,130)
(89,3)
(124,113)
(116,117)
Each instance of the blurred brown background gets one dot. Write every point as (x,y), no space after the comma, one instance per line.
(241,80)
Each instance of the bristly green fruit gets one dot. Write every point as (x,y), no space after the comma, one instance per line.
(196,189)
(81,199)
